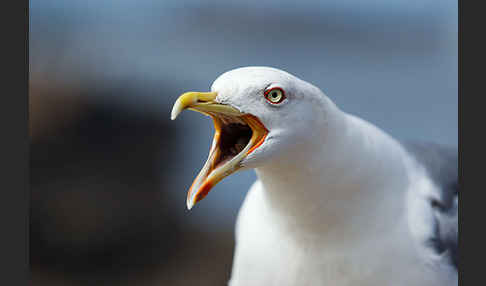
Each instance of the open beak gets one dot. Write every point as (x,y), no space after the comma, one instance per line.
(236,135)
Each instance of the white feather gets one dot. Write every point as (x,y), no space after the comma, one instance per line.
(337,201)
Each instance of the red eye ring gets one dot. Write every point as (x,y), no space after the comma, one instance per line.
(275,95)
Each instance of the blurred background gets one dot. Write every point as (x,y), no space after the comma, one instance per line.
(110,171)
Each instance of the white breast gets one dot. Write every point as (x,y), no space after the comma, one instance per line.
(269,253)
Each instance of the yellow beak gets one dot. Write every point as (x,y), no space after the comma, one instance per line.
(203,102)
(233,129)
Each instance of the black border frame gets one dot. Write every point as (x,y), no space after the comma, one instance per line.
(14,154)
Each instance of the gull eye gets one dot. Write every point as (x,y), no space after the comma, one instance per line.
(275,95)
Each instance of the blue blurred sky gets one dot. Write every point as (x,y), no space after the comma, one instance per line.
(394,63)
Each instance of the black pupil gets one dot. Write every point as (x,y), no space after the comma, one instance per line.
(274,95)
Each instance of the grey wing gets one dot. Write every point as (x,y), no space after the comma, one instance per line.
(441,164)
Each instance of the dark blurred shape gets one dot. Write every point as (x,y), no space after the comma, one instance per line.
(52,110)
(96,193)
(99,211)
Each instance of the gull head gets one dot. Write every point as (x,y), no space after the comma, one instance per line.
(260,116)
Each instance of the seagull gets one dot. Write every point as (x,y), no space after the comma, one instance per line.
(337,201)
